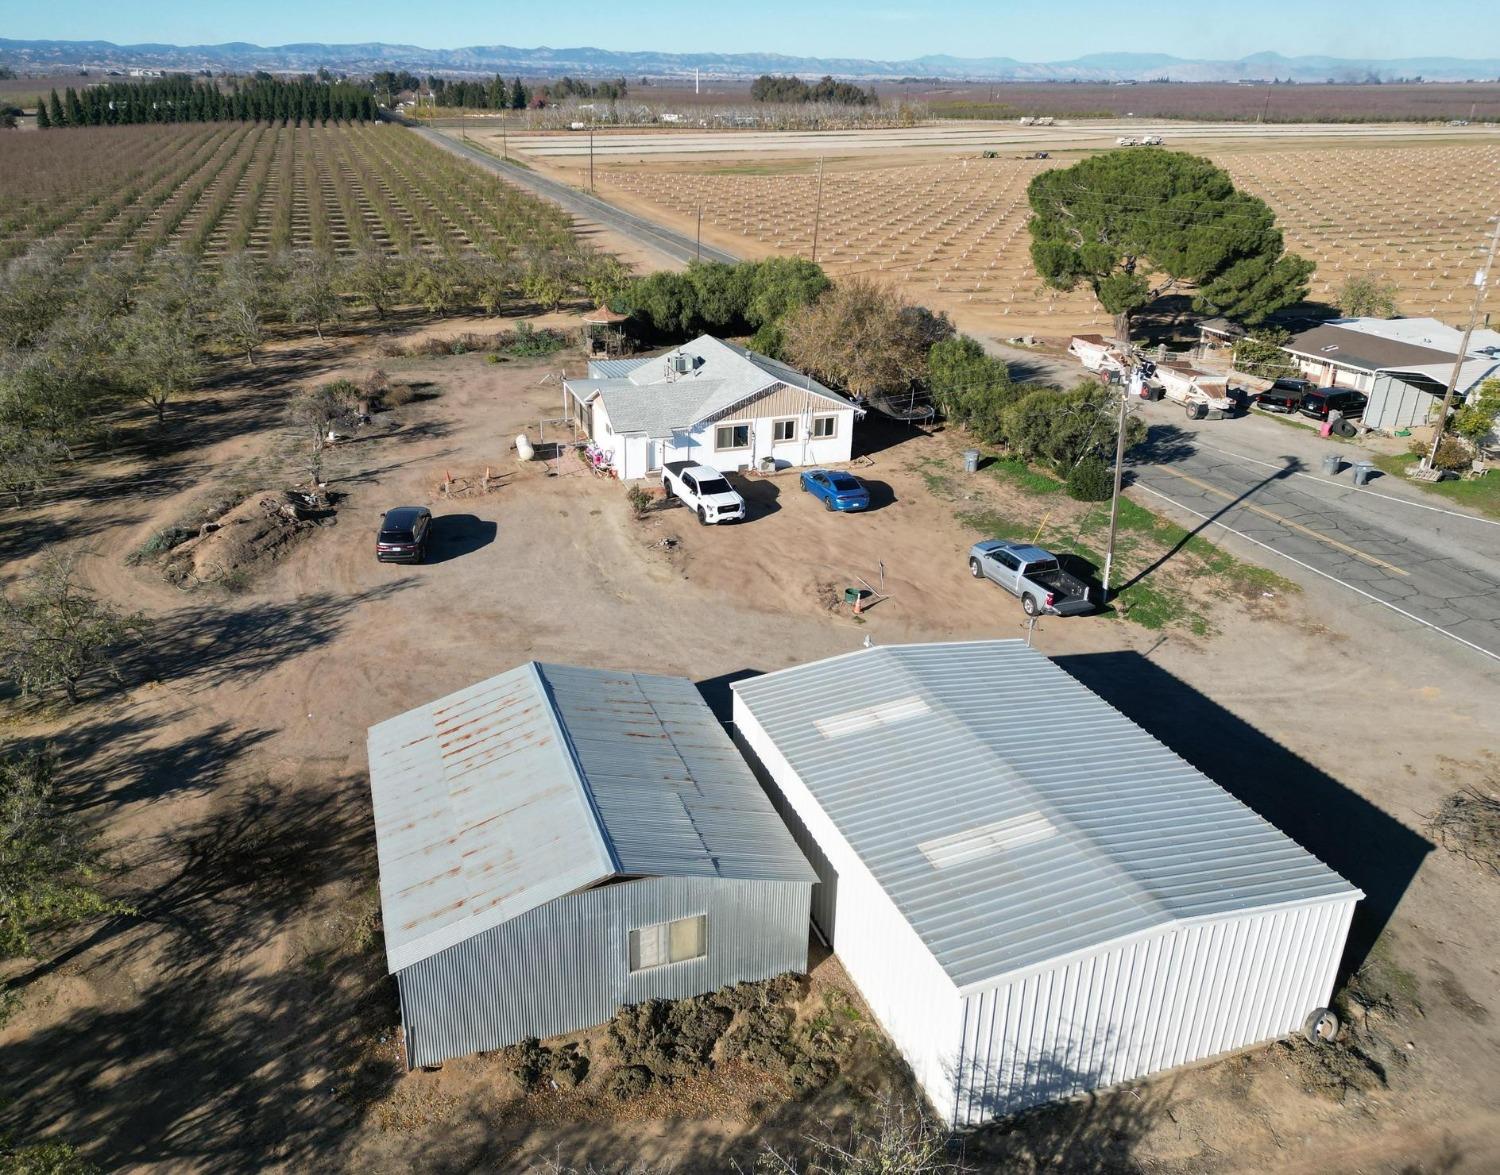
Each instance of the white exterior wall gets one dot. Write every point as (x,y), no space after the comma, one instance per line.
(908,991)
(1182,994)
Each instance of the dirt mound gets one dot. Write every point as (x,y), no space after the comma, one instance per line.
(243,540)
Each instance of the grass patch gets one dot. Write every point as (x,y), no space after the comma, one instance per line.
(1014,471)
(1482,493)
(1291,420)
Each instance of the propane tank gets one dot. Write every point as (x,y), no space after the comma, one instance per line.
(523,448)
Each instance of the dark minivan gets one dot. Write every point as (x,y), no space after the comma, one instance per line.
(1319,402)
(403,535)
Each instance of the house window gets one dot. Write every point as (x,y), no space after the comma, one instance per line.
(824,426)
(669,942)
(732,436)
(783,430)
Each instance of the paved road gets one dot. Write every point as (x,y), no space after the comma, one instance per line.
(1389,546)
(675,245)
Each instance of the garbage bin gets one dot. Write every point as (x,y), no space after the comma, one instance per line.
(1363,471)
(1332,463)
(971,460)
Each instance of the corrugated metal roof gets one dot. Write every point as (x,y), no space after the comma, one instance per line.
(1123,834)
(508,794)
(645,396)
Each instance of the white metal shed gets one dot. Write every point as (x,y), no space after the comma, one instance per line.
(1036,897)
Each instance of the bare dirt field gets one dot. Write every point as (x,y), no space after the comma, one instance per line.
(922,209)
(240,1019)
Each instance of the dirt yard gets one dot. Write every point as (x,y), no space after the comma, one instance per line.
(239,1019)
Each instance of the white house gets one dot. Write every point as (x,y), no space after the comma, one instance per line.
(711,402)
(1402,364)
(1035,897)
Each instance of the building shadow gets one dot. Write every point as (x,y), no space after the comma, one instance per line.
(762,495)
(456,535)
(1347,832)
(876,433)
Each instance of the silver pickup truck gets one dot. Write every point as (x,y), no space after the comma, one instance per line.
(1033,574)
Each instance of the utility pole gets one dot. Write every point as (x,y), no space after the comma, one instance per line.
(817,211)
(1481,281)
(700,233)
(1123,330)
(591,159)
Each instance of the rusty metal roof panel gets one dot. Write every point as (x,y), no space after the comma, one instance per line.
(546,779)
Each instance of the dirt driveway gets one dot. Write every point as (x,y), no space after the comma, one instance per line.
(240,1019)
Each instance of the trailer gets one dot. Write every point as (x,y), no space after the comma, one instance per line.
(1096,353)
(1204,395)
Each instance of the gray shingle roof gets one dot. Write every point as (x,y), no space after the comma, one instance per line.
(1011,814)
(1337,344)
(510,793)
(646,396)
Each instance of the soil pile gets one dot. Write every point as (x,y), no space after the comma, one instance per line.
(242,541)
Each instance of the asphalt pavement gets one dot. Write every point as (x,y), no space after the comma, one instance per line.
(1390,546)
(675,245)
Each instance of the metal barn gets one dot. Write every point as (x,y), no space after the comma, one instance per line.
(556,842)
(1035,896)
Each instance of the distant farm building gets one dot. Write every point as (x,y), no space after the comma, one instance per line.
(1036,897)
(712,403)
(555,843)
(1402,364)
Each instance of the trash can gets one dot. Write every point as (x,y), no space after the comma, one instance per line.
(852,595)
(1363,471)
(971,460)
(1332,463)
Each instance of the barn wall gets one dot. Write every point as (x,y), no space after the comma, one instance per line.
(1183,994)
(909,992)
(565,965)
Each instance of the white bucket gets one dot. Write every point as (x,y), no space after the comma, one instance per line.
(523,448)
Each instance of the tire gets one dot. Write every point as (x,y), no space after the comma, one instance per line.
(1321,1026)
(1344,429)
(1029,606)
(828,503)
(1196,412)
(975,570)
(802,484)
(702,516)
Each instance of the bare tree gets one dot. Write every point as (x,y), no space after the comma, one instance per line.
(54,633)
(311,290)
(316,412)
(241,299)
(861,336)
(27,461)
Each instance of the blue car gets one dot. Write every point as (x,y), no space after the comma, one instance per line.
(838,490)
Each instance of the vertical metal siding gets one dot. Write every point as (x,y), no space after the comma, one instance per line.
(1162,1000)
(906,988)
(565,965)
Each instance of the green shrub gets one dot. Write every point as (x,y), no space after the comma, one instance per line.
(1090,481)
(1476,421)
(1452,453)
(641,500)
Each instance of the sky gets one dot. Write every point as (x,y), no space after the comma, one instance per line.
(1031,30)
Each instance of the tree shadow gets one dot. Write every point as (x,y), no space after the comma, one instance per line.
(1348,833)
(876,433)
(456,535)
(214,644)
(1164,444)
(209,1063)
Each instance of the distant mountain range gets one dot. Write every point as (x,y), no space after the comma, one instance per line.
(476,59)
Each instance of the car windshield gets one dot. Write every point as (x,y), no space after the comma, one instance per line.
(843,483)
(395,536)
(714,485)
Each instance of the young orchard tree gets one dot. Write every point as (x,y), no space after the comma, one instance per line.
(49,867)
(311,290)
(241,300)
(55,634)
(1139,223)
(861,336)
(28,459)
(316,412)
(375,279)
(161,356)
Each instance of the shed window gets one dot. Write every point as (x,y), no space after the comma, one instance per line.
(732,436)
(669,942)
(825,426)
(784,430)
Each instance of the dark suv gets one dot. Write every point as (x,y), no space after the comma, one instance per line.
(1319,402)
(1285,395)
(403,535)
